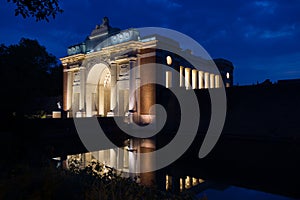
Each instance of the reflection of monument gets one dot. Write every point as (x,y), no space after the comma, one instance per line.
(101,74)
(98,79)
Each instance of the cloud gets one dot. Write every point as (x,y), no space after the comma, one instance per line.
(262,3)
(266,6)
(275,34)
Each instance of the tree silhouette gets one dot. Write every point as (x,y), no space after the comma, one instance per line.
(40,9)
(28,72)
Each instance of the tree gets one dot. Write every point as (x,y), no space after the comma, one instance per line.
(27,71)
(40,9)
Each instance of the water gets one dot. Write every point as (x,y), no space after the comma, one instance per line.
(237,193)
(211,190)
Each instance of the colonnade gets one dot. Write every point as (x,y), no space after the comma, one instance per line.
(194,79)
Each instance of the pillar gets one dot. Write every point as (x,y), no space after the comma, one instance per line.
(69,90)
(132,85)
(147,95)
(168,79)
(194,79)
(113,88)
(206,80)
(187,76)
(181,80)
(217,81)
(212,81)
(200,79)
(101,100)
(88,111)
(82,89)
(65,88)
(121,103)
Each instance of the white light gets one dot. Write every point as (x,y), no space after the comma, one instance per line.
(169,60)
(227,75)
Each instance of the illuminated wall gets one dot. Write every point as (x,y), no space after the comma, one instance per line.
(105,80)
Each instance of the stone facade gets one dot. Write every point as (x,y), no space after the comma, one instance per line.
(102,73)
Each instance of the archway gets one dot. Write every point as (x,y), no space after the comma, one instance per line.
(98,90)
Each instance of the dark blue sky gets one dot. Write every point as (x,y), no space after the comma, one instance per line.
(260,37)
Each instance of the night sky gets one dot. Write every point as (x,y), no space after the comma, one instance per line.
(260,37)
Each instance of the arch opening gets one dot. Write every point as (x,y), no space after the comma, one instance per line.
(98,90)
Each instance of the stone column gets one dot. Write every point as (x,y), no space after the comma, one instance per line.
(82,90)
(168,79)
(65,88)
(88,110)
(217,81)
(194,79)
(181,78)
(206,80)
(147,95)
(212,81)
(69,90)
(200,79)
(101,100)
(132,85)
(187,76)
(113,88)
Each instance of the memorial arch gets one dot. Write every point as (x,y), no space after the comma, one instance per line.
(101,73)
(98,90)
(107,75)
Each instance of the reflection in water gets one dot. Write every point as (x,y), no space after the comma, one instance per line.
(185,183)
(120,160)
(113,158)
(237,193)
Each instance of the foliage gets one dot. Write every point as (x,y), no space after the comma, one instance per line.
(96,181)
(28,71)
(39,9)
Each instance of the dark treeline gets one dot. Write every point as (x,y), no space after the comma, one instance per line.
(30,77)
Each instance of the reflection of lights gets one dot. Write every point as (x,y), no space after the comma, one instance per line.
(167,182)
(187,182)
(57,158)
(181,184)
(105,170)
(130,149)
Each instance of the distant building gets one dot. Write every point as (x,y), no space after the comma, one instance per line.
(98,80)
(289,82)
